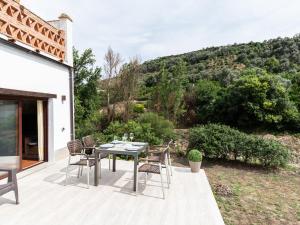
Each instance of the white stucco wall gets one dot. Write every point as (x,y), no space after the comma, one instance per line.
(20,70)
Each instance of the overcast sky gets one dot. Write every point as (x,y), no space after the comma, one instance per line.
(156,28)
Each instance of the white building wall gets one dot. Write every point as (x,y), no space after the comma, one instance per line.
(27,72)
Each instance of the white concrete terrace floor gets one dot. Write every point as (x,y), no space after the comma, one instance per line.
(44,200)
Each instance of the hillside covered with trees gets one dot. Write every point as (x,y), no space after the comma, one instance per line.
(250,85)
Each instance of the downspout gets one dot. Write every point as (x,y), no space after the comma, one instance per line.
(72,117)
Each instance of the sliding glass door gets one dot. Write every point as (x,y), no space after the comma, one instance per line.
(9,128)
(23,130)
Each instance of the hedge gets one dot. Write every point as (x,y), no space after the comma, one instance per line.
(221,141)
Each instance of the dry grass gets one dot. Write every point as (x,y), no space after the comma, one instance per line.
(259,196)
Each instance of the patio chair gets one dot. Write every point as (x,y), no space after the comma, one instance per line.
(154,157)
(90,144)
(76,149)
(155,168)
(10,165)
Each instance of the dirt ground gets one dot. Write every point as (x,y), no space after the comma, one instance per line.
(256,196)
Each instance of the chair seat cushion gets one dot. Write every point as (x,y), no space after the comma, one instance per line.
(149,168)
(82,162)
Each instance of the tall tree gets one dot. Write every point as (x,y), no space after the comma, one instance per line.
(168,93)
(87,100)
(128,83)
(112,63)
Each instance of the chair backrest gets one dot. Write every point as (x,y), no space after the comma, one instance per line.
(9,162)
(89,141)
(164,155)
(75,147)
(171,143)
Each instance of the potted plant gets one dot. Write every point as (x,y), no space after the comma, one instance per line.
(195,159)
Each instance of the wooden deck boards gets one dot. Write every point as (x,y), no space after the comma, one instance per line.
(46,201)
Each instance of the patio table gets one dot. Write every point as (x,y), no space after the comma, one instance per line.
(120,148)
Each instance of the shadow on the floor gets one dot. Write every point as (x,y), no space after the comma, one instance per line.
(128,187)
(108,178)
(7,201)
(121,180)
(182,170)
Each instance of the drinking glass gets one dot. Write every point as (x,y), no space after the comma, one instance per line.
(125,137)
(131,136)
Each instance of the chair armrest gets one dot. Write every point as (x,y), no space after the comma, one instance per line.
(80,154)
(90,147)
(158,146)
(143,159)
(5,170)
(154,152)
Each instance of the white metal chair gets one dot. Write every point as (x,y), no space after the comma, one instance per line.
(156,168)
(76,149)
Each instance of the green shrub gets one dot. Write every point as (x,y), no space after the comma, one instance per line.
(149,127)
(138,108)
(195,156)
(88,126)
(260,100)
(220,141)
(163,128)
(271,153)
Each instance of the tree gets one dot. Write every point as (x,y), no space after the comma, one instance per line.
(128,83)
(261,99)
(112,63)
(272,64)
(207,95)
(87,100)
(168,94)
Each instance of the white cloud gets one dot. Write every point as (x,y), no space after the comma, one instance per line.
(163,27)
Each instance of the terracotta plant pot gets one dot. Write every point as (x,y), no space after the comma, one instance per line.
(195,166)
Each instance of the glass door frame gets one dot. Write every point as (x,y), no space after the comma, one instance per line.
(20,100)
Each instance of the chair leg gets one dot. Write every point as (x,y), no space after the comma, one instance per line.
(67,170)
(78,174)
(16,195)
(109,162)
(137,184)
(146,178)
(99,168)
(15,182)
(168,176)
(170,164)
(162,183)
(81,170)
(168,172)
(88,174)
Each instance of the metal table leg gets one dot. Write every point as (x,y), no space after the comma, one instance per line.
(96,180)
(114,162)
(135,171)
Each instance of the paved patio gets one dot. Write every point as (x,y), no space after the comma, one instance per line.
(44,200)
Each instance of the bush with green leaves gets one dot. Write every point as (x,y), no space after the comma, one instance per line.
(138,108)
(221,141)
(148,127)
(89,125)
(207,94)
(260,99)
(195,155)
(163,128)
